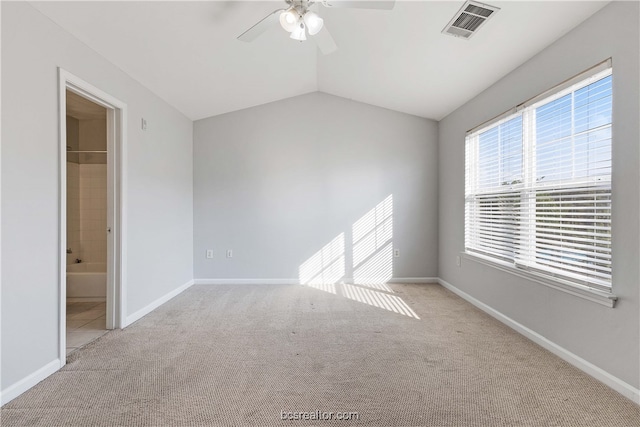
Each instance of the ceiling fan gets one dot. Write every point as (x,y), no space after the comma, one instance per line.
(298,19)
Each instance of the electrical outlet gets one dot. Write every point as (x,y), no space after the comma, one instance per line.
(458,261)
(229,253)
(143,124)
(396,253)
(209,253)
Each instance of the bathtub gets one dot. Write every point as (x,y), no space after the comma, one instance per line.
(87,280)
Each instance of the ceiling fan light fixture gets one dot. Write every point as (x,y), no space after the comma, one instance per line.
(314,22)
(289,19)
(299,33)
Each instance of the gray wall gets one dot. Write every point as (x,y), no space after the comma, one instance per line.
(603,336)
(160,193)
(276,183)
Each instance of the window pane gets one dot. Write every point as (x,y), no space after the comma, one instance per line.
(593,105)
(500,155)
(573,231)
(497,221)
(593,154)
(573,135)
(553,121)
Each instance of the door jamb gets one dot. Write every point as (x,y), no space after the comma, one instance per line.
(117,143)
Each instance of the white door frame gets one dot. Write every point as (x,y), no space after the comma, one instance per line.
(116,193)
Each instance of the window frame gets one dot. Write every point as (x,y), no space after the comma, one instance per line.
(601,292)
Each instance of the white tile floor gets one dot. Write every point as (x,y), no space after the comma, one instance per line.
(86,321)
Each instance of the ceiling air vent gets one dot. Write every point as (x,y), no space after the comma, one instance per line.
(469,18)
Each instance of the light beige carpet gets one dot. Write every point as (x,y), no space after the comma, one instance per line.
(241,355)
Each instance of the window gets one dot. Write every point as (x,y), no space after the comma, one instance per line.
(538,183)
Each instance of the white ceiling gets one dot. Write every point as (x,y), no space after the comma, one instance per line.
(187,52)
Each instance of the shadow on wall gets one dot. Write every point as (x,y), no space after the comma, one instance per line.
(371,258)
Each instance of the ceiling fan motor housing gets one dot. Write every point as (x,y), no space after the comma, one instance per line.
(298,19)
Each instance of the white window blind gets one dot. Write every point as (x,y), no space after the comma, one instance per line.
(538,184)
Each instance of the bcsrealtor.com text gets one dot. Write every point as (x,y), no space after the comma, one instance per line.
(319,415)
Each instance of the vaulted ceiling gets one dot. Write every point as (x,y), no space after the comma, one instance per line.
(187,52)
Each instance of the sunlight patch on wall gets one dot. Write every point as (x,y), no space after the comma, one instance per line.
(372,245)
(326,267)
(377,269)
(372,252)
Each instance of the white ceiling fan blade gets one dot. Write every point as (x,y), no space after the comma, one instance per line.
(325,42)
(360,4)
(252,33)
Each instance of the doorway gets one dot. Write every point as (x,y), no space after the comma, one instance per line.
(92,285)
(86,221)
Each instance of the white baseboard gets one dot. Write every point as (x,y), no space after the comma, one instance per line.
(155,304)
(413,280)
(246,281)
(600,374)
(16,389)
(348,280)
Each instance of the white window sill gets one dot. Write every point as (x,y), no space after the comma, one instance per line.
(601,297)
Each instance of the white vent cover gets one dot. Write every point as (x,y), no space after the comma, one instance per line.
(471,16)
